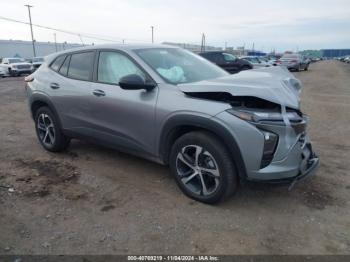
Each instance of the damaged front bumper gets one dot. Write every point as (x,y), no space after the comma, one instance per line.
(307,167)
(293,158)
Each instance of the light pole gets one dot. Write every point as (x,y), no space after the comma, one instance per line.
(31,28)
(152,28)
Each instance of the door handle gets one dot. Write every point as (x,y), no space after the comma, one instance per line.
(98,92)
(54,85)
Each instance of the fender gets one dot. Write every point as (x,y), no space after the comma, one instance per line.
(202,122)
(41,97)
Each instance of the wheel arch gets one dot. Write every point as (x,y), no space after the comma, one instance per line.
(37,101)
(179,125)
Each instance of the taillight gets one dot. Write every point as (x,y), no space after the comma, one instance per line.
(294,61)
(278,61)
(29,78)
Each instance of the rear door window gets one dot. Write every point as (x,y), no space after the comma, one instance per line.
(80,66)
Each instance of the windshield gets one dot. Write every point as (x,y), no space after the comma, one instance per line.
(177,66)
(38,59)
(14,60)
(229,57)
(252,59)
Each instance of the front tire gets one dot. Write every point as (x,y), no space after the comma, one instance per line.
(203,168)
(48,131)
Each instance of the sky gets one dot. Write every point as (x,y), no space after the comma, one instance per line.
(269,24)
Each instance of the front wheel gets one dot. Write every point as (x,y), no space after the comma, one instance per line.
(49,132)
(203,168)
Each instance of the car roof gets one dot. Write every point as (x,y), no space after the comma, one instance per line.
(122,47)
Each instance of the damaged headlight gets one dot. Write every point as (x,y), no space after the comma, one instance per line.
(258,116)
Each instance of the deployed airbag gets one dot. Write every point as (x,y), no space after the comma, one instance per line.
(174,74)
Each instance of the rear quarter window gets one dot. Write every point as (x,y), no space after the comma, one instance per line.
(64,67)
(57,63)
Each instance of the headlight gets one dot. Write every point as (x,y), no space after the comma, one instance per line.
(257,116)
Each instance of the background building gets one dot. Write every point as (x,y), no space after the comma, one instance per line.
(24,49)
(335,52)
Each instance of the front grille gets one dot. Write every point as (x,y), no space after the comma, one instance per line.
(23,66)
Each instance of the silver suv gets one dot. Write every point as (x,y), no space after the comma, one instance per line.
(213,129)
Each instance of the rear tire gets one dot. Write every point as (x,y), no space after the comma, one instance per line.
(48,130)
(203,168)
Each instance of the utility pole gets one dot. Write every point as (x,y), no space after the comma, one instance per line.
(152,28)
(81,39)
(54,35)
(31,28)
(225,46)
(203,43)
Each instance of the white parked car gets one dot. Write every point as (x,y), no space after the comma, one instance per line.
(255,61)
(269,61)
(2,71)
(16,66)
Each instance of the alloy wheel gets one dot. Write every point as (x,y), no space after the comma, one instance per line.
(198,170)
(46,129)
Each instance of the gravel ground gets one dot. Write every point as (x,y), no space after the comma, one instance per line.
(92,200)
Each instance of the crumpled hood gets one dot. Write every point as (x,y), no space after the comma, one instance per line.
(273,84)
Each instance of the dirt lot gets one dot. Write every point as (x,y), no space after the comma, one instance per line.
(91,200)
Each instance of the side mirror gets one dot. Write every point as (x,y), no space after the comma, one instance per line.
(134,82)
